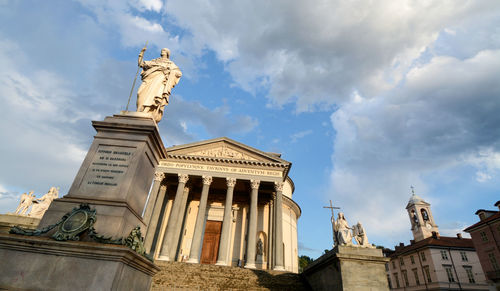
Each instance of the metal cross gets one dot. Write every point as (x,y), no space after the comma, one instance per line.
(332,219)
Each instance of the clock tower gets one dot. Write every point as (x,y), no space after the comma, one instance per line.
(422,221)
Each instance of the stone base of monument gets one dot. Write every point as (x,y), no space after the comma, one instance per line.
(9,220)
(116,174)
(348,268)
(114,179)
(41,263)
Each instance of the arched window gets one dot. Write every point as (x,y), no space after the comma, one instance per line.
(425,216)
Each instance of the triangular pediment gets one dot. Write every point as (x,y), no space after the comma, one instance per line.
(224,148)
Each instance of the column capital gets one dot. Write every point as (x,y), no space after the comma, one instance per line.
(183,178)
(159,176)
(255,184)
(207,180)
(278,186)
(231,182)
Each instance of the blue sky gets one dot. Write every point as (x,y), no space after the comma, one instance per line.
(364,98)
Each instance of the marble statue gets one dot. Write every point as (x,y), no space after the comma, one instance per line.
(158,76)
(25,203)
(42,204)
(360,235)
(344,236)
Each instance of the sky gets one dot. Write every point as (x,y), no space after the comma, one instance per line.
(364,98)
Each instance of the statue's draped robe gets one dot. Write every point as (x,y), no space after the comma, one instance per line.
(159,76)
(344,236)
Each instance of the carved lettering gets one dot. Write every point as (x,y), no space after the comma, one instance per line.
(108,167)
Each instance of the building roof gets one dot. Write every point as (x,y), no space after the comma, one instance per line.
(484,221)
(443,242)
(415,199)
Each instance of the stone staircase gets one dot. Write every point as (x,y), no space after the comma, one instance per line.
(184,276)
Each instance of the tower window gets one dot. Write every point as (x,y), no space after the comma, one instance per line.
(412,259)
(493,261)
(401,262)
(444,255)
(470,275)
(464,256)
(483,235)
(425,216)
(415,273)
(427,274)
(449,273)
(397,280)
(405,278)
(422,255)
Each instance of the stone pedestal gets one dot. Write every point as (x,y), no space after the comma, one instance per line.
(7,221)
(115,179)
(116,174)
(40,263)
(348,268)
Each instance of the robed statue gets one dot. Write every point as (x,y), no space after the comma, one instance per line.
(42,204)
(360,235)
(158,76)
(344,235)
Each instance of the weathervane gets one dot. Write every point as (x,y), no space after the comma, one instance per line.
(331,207)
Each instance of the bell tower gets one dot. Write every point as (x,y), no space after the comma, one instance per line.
(422,221)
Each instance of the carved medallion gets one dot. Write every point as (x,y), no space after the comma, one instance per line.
(78,221)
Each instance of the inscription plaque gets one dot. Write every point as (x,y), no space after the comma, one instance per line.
(108,167)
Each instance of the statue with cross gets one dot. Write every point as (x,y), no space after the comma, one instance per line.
(331,207)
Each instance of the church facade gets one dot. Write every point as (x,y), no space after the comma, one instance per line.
(225,203)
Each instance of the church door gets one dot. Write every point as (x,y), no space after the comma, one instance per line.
(211,240)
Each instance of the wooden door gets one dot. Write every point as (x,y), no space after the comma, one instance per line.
(211,239)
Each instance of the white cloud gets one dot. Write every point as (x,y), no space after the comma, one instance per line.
(444,118)
(154,5)
(301,134)
(316,55)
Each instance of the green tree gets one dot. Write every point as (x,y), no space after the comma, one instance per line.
(303,262)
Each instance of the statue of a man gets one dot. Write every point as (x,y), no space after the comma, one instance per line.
(159,76)
(344,235)
(360,235)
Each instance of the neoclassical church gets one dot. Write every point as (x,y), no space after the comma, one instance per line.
(222,202)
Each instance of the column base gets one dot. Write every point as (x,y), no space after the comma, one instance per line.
(163,258)
(250,266)
(193,261)
(221,263)
(279,268)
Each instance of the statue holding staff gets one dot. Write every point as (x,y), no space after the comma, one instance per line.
(158,76)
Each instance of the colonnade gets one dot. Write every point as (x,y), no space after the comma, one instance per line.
(170,242)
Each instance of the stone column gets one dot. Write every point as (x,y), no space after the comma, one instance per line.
(194,254)
(278,255)
(150,234)
(159,176)
(173,220)
(252,225)
(178,229)
(226,224)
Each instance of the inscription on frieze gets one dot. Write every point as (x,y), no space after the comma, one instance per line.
(221,169)
(109,165)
